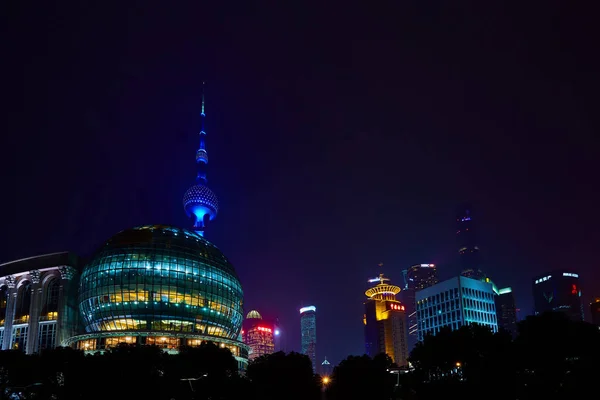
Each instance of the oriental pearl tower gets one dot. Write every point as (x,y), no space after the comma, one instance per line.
(200,203)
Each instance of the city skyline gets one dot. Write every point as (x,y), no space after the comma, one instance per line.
(310,126)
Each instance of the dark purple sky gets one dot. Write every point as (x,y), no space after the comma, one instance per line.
(339,137)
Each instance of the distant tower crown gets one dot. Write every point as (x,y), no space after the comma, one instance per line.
(200,203)
(383,290)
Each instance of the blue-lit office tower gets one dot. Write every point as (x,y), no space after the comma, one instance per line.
(417,277)
(453,303)
(199,202)
(308,330)
(468,250)
(558,291)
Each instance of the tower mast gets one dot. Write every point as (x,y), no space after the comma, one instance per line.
(201,153)
(199,202)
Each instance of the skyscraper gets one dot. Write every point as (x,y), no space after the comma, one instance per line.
(558,291)
(258,334)
(468,250)
(385,322)
(308,328)
(506,311)
(326,368)
(417,277)
(199,202)
(453,303)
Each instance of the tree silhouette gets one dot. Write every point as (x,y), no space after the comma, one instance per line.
(280,375)
(206,371)
(464,362)
(363,377)
(557,357)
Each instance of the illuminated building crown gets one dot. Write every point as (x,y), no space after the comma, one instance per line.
(253,315)
(199,202)
(383,290)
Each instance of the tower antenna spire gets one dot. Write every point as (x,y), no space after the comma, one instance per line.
(199,202)
(202,114)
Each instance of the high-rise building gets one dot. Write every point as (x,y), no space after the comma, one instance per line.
(199,202)
(386,325)
(595,310)
(326,368)
(308,330)
(453,303)
(417,277)
(258,334)
(558,291)
(506,311)
(468,249)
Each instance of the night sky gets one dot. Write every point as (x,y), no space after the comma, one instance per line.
(340,136)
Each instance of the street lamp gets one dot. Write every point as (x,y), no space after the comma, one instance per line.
(326,380)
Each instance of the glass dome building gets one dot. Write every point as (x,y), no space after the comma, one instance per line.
(160,285)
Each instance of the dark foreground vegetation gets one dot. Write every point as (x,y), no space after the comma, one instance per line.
(552,358)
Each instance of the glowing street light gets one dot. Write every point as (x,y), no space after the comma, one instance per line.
(325,380)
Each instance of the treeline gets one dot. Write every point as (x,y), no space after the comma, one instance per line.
(552,358)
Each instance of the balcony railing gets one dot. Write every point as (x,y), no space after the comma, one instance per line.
(23,320)
(51,316)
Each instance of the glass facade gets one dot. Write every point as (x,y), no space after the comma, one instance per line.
(19,337)
(308,327)
(47,336)
(160,285)
(454,303)
(417,277)
(159,278)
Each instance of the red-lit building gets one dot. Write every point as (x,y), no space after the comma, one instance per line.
(258,334)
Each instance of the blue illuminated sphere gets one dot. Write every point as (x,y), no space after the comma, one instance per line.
(199,201)
(158,278)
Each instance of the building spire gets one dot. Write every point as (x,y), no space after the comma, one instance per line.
(199,202)
(201,154)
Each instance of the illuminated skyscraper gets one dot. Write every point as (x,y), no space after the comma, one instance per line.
(416,278)
(199,202)
(385,322)
(308,328)
(468,250)
(258,334)
(453,303)
(558,291)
